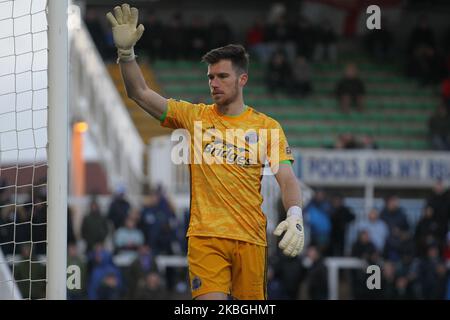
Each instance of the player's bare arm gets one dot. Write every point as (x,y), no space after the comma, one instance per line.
(126,33)
(138,90)
(289,186)
(293,239)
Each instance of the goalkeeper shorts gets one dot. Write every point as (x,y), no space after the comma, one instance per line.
(234,267)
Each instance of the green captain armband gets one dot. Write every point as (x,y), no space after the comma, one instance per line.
(286,162)
(163,117)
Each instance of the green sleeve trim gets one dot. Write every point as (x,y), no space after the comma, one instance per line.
(286,162)
(237,115)
(164,115)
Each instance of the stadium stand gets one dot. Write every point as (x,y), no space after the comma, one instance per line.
(396,114)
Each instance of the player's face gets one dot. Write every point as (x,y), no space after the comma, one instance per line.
(225,84)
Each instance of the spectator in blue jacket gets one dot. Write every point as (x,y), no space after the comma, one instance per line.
(317,215)
(103,267)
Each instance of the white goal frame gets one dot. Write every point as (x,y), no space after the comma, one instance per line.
(57,148)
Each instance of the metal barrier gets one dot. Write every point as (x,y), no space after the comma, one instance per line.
(333,266)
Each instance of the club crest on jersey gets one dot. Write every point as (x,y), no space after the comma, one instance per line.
(251,137)
(288,150)
(196,283)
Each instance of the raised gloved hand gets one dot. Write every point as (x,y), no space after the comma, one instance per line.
(125,30)
(293,239)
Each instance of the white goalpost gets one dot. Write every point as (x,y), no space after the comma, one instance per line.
(33,148)
(58,73)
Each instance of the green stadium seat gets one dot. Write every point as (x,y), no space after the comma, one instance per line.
(181,77)
(393,144)
(419,145)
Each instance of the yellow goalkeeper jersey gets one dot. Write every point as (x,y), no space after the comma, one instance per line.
(227,158)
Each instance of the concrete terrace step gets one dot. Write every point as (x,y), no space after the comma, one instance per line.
(199,73)
(379,86)
(352,121)
(352,117)
(189,65)
(317,106)
(323,128)
(265,100)
(259,75)
(329,101)
(193,88)
(200,76)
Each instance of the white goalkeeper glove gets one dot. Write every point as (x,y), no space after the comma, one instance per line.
(125,31)
(293,239)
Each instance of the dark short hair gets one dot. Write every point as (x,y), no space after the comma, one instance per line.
(233,52)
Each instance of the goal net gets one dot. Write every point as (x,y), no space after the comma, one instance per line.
(33,186)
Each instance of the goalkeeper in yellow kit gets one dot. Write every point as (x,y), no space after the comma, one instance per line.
(227,245)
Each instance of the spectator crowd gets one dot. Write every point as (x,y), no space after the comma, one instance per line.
(116,249)
(414,256)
